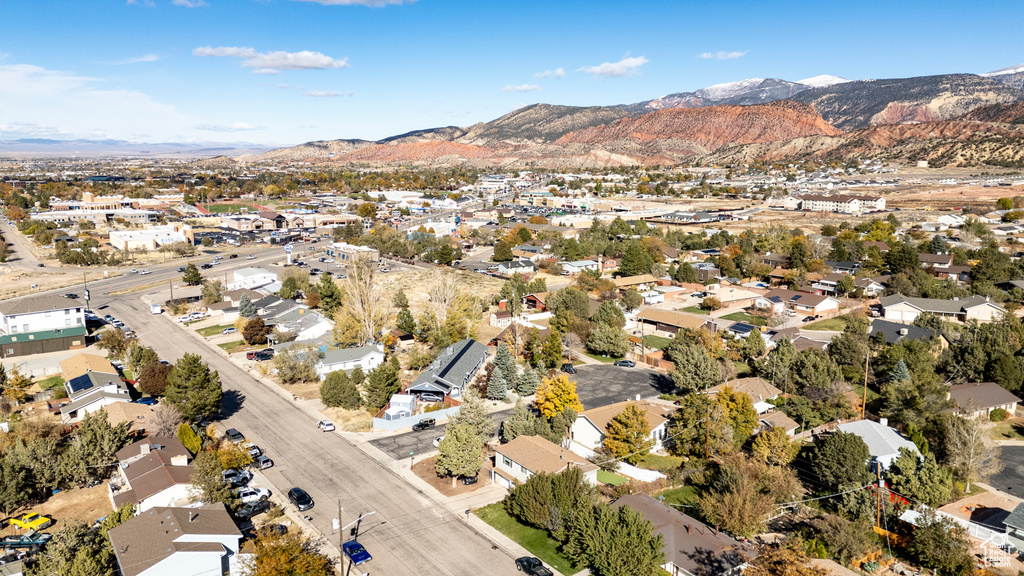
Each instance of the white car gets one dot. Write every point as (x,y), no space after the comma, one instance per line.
(196,316)
(184,318)
(437,441)
(248,495)
(250,257)
(144,272)
(325,425)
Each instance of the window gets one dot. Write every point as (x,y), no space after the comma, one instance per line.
(506,461)
(67,311)
(14,328)
(523,469)
(47,314)
(24,327)
(67,321)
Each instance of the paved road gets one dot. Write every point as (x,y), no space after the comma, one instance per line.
(409,534)
(1009,479)
(597,385)
(21,257)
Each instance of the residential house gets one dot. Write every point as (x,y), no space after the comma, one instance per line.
(535,301)
(981,398)
(740,330)
(781,300)
(896,332)
(691,547)
(135,415)
(305,323)
(154,471)
(939,261)
(451,371)
(579,266)
(759,389)
(348,359)
(673,322)
(524,456)
(515,266)
(92,391)
(1014,526)
(778,419)
(201,541)
(843,266)
(902,308)
(251,278)
(959,274)
(883,442)
(639,283)
(83,363)
(588,431)
(882,246)
(829,284)
(234,297)
(270,307)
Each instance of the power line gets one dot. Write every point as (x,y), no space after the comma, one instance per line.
(787,504)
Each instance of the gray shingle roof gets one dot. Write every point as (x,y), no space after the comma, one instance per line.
(936,305)
(37,304)
(893,331)
(453,368)
(338,355)
(881,440)
(981,395)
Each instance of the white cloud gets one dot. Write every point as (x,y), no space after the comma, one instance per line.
(625,67)
(136,60)
(55,103)
(189,3)
(370,3)
(721,55)
(272,62)
(522,88)
(326,94)
(556,73)
(236,127)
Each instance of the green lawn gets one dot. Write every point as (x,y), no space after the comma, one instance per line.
(213,330)
(658,342)
(232,347)
(536,541)
(1009,429)
(660,463)
(742,369)
(605,477)
(232,207)
(872,395)
(683,496)
(696,310)
(744,317)
(837,324)
(602,358)
(51,382)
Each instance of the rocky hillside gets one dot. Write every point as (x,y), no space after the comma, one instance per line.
(538,124)
(865,103)
(1005,113)
(316,149)
(744,93)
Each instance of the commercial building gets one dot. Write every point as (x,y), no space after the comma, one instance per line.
(152,237)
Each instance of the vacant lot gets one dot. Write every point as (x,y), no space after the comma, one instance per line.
(85,504)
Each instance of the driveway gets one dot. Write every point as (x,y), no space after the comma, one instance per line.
(1009,479)
(597,385)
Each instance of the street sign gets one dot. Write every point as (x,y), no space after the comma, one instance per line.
(288,248)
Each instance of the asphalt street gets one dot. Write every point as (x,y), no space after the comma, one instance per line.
(597,385)
(408,534)
(21,256)
(1009,479)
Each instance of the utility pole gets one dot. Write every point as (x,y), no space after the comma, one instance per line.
(878,506)
(171,284)
(341,539)
(864,404)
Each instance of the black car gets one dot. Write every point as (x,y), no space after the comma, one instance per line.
(467,480)
(232,256)
(206,266)
(267,354)
(568,368)
(251,509)
(181,269)
(532,566)
(425,424)
(234,435)
(252,533)
(301,500)
(71,295)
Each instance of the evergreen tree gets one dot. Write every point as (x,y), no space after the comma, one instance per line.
(194,388)
(553,349)
(192,277)
(527,382)
(635,261)
(404,321)
(920,478)
(497,386)
(246,309)
(900,372)
(502,252)
(610,314)
(16,484)
(400,300)
(505,361)
(460,452)
(632,300)
(289,288)
(330,295)
(754,346)
(685,273)
(615,542)
(338,389)
(694,369)
(608,341)
(381,384)
(840,461)
(629,435)
(92,449)
(522,422)
(473,412)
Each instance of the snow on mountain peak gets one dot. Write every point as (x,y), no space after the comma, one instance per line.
(729,89)
(822,81)
(1003,71)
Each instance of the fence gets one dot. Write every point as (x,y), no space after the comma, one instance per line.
(382,424)
(640,474)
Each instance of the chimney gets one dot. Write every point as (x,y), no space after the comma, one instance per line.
(904,331)
(179,460)
(144,449)
(883,421)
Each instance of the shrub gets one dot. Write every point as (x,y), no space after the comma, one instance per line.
(997,415)
(192,442)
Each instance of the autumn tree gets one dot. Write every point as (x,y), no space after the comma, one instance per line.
(363,304)
(742,492)
(629,435)
(783,559)
(212,292)
(255,331)
(971,454)
(775,447)
(555,394)
(115,342)
(285,555)
(164,420)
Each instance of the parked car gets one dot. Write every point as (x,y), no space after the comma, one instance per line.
(355,552)
(32,521)
(625,363)
(28,541)
(568,368)
(248,495)
(467,480)
(251,509)
(251,532)
(266,354)
(234,435)
(254,450)
(117,324)
(148,401)
(437,441)
(425,424)
(236,477)
(263,462)
(301,500)
(231,330)
(432,397)
(532,566)
(325,425)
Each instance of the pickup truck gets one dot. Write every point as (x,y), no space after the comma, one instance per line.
(31,521)
(532,566)
(29,540)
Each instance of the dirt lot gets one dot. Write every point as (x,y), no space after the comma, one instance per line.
(415,282)
(17,283)
(425,470)
(85,504)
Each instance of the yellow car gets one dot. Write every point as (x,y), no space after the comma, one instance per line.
(32,521)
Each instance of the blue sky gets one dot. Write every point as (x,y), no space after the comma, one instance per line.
(282,72)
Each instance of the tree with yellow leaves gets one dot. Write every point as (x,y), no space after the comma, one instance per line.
(556,394)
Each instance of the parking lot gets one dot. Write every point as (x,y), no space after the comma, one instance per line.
(597,385)
(1009,479)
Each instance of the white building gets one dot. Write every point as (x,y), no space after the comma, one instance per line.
(39,313)
(251,278)
(525,456)
(883,442)
(842,203)
(365,357)
(201,541)
(579,266)
(90,392)
(152,237)
(588,431)
(152,472)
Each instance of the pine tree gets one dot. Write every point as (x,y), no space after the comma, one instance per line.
(522,422)
(460,453)
(506,362)
(635,261)
(629,435)
(404,321)
(685,273)
(192,276)
(497,386)
(381,384)
(553,349)
(246,309)
(330,295)
(473,412)
(900,372)
(194,388)
(527,383)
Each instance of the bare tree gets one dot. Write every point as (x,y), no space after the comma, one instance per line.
(443,292)
(572,342)
(971,454)
(364,300)
(164,420)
